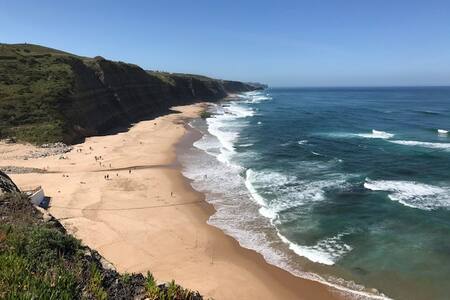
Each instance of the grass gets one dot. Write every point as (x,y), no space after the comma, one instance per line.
(39,260)
(34,263)
(33,83)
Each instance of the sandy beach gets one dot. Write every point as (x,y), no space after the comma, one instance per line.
(124,195)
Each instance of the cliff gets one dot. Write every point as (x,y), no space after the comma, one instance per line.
(47,95)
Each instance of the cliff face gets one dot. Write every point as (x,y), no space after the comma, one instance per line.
(55,96)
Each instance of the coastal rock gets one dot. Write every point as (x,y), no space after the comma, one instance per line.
(20,170)
(7,185)
(49,150)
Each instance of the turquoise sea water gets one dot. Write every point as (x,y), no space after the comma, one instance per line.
(350,186)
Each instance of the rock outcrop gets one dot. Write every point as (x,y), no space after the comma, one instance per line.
(7,185)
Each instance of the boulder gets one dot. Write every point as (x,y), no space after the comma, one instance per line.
(7,185)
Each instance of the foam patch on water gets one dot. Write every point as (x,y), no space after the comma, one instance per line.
(248,183)
(254,97)
(430,145)
(442,132)
(246,145)
(327,251)
(225,125)
(412,194)
(376,134)
(276,192)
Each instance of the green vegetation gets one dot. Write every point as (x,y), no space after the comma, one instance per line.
(38,260)
(205,114)
(163,76)
(34,81)
(169,291)
(48,96)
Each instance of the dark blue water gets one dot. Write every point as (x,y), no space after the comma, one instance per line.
(345,183)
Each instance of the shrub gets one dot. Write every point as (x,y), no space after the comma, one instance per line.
(205,114)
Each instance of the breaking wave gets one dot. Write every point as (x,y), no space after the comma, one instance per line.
(430,145)
(376,134)
(248,202)
(412,194)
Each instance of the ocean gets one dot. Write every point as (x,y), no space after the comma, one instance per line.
(346,186)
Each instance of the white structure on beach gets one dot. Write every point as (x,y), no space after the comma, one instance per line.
(37,195)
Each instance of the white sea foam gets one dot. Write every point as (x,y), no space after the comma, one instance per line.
(287,192)
(376,134)
(224,126)
(412,194)
(302,142)
(442,146)
(327,251)
(442,132)
(249,175)
(276,192)
(246,145)
(241,219)
(255,97)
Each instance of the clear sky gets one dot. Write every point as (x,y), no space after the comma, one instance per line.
(282,43)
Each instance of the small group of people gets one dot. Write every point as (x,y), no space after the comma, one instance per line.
(106,177)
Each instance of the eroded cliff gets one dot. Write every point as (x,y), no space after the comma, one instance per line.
(47,95)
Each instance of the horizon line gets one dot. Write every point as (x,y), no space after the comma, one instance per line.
(357,86)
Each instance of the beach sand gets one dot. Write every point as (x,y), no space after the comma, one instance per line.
(146,216)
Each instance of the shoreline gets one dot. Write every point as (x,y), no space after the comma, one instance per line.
(151,218)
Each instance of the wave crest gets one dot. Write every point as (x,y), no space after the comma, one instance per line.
(376,134)
(442,146)
(412,194)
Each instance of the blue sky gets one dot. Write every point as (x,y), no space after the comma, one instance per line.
(282,43)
